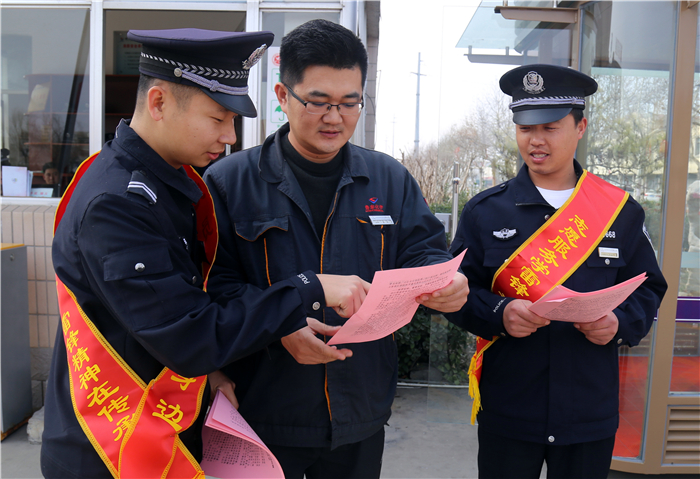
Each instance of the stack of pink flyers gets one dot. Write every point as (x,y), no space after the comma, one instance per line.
(563,304)
(231,447)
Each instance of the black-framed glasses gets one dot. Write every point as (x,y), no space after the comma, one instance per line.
(321,108)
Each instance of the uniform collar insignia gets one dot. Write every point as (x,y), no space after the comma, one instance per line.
(505,233)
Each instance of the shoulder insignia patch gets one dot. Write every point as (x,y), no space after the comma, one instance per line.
(646,233)
(505,233)
(141,185)
(479,197)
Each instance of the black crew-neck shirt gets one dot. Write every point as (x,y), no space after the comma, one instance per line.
(318,182)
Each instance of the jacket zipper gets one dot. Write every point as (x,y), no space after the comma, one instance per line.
(323,245)
(381,253)
(267,263)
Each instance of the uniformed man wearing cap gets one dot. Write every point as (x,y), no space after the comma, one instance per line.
(135,237)
(319,202)
(548,391)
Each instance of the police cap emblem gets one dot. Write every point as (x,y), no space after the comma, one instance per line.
(505,233)
(533,83)
(254,57)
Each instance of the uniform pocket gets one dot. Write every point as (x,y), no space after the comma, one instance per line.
(372,242)
(267,253)
(595,261)
(252,230)
(600,272)
(152,291)
(138,261)
(495,257)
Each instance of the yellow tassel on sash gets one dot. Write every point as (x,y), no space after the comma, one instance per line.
(475,374)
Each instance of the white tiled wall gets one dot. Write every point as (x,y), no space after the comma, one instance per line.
(32,226)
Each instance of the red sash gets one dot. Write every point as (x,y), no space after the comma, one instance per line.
(552,254)
(133,426)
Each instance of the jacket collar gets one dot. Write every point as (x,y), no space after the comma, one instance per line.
(525,191)
(272,163)
(127,139)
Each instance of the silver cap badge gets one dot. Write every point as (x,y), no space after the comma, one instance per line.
(533,83)
(254,57)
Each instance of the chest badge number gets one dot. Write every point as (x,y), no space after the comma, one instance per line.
(608,252)
(505,233)
(381,220)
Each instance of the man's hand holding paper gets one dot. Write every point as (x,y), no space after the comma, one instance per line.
(563,304)
(449,299)
(394,297)
(307,348)
(345,294)
(590,312)
(520,321)
(601,331)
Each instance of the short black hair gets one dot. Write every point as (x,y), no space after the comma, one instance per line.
(578,115)
(182,93)
(48,166)
(323,43)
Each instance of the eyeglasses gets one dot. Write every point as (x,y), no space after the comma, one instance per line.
(321,108)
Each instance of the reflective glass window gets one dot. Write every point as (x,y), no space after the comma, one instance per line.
(299,1)
(270,113)
(627,145)
(108,2)
(44,94)
(121,55)
(490,38)
(685,372)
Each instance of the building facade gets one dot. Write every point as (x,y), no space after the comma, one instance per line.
(69,74)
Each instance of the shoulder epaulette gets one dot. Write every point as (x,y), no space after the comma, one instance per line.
(141,185)
(490,192)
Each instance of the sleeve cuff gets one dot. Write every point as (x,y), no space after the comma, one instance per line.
(622,337)
(311,292)
(498,310)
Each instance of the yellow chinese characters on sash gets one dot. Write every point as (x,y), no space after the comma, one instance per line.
(133,426)
(552,254)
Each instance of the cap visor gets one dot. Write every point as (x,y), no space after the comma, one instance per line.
(241,104)
(540,116)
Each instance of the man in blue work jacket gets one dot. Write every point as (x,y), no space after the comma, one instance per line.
(132,249)
(549,390)
(315,201)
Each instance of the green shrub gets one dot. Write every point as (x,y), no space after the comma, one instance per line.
(434,340)
(451,350)
(413,343)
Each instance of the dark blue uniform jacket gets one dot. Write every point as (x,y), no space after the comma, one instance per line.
(159,316)
(267,235)
(553,386)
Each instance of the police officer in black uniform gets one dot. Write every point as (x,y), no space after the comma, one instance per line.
(549,390)
(127,244)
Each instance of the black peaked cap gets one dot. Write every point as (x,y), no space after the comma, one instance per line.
(218,63)
(545,93)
